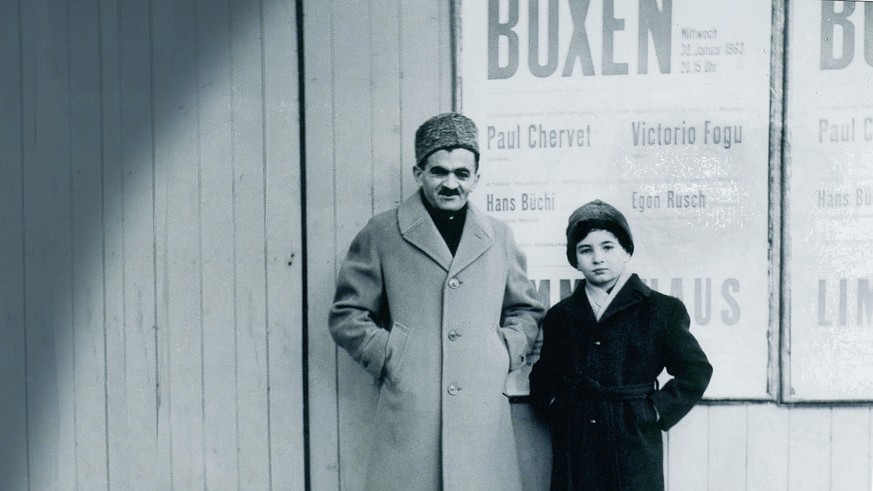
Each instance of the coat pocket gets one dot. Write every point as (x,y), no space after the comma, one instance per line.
(501,347)
(396,350)
(647,415)
(653,410)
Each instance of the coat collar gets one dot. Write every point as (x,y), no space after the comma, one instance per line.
(632,293)
(418,229)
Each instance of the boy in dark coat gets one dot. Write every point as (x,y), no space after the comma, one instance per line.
(603,349)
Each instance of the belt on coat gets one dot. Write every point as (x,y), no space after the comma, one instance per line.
(590,388)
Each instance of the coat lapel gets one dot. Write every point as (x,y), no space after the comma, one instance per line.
(418,229)
(580,305)
(632,293)
(475,240)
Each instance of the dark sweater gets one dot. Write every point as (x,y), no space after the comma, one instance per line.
(449,223)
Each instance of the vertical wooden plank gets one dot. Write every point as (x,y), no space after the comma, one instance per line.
(133,400)
(850,457)
(445,61)
(61,326)
(666,449)
(179,273)
(13,407)
(783,362)
(809,448)
(688,459)
(352,122)
(424,75)
(47,245)
(284,246)
(728,430)
(118,465)
(250,305)
(767,447)
(217,243)
(533,443)
(386,155)
(354,205)
(87,246)
(870,451)
(163,326)
(321,241)
(777,338)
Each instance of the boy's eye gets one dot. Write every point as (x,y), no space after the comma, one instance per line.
(438,172)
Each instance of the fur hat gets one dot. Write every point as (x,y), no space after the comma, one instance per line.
(597,215)
(446,130)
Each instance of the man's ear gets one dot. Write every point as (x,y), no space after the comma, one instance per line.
(417,173)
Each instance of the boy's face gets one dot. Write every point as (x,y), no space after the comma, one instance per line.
(601,258)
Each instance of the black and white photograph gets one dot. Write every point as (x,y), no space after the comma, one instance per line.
(484,245)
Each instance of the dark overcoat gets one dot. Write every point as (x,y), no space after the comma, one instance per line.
(596,382)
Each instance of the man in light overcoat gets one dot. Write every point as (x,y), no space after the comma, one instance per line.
(434,302)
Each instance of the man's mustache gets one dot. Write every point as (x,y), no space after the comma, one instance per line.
(450,192)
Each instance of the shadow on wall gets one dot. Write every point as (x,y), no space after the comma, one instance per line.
(135,254)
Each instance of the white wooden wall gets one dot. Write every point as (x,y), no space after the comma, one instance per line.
(150,245)
(151,273)
(374,71)
(767,447)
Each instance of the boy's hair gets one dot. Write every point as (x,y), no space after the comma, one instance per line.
(597,215)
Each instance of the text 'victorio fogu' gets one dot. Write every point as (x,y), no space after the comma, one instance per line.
(666,134)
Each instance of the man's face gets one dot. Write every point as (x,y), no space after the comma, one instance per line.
(448,178)
(601,258)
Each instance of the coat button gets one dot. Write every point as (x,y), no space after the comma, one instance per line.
(593,421)
(454,335)
(453,390)
(596,343)
(454,283)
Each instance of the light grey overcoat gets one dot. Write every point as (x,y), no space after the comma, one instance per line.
(439,334)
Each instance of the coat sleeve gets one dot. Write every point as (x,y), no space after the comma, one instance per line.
(544,375)
(522,311)
(686,362)
(358,305)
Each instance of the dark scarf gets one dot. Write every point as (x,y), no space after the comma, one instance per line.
(449,223)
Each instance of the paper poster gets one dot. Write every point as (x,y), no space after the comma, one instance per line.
(829,130)
(660,108)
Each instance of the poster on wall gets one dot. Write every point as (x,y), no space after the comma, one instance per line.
(658,107)
(829,130)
